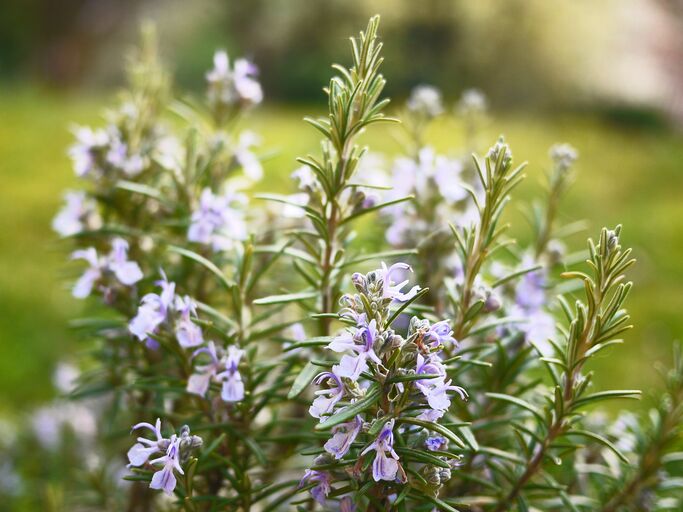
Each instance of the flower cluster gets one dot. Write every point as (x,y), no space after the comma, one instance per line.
(166,308)
(218,221)
(78,214)
(405,374)
(233,86)
(222,367)
(101,269)
(175,451)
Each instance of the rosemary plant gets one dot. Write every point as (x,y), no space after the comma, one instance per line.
(465,395)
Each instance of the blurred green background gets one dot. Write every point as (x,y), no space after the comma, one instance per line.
(605,77)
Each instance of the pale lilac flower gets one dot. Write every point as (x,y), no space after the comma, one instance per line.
(343,436)
(432,415)
(92,274)
(392,290)
(351,366)
(126,272)
(187,332)
(217,222)
(140,454)
(326,399)
(141,451)
(323,487)
(83,152)
(436,443)
(78,214)
(425,100)
(247,87)
(165,479)
(48,423)
(446,176)
(119,156)
(384,467)
(153,311)
(530,299)
(250,163)
(435,388)
(440,334)
(530,291)
(233,387)
(198,383)
(233,86)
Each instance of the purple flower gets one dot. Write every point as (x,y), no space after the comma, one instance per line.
(436,443)
(187,332)
(120,157)
(323,487)
(440,334)
(216,222)
(126,272)
(435,389)
(326,399)
(530,291)
(352,366)
(384,467)
(343,436)
(156,309)
(164,479)
(198,383)
(140,453)
(233,387)
(393,291)
(88,142)
(79,213)
(153,310)
(233,86)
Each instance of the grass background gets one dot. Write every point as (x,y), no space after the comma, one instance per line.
(627,173)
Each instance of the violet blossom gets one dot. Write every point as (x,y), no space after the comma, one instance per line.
(78,214)
(233,387)
(198,383)
(392,290)
(435,387)
(233,86)
(440,334)
(217,222)
(351,366)
(126,272)
(322,480)
(84,152)
(343,436)
(172,448)
(326,399)
(159,308)
(385,466)
(436,443)
(153,310)
(187,332)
